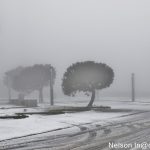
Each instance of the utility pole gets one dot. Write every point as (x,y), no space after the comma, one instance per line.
(133,87)
(51,87)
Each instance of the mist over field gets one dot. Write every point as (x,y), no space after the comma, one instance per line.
(64,32)
(95,50)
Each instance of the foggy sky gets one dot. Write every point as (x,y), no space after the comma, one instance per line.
(62,32)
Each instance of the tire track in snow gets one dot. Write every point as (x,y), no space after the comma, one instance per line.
(50,141)
(91,136)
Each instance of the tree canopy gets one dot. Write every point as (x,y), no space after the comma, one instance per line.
(87,76)
(9,78)
(28,79)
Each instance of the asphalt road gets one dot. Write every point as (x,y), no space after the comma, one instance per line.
(130,130)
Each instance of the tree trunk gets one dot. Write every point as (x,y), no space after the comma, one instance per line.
(51,94)
(92,99)
(41,95)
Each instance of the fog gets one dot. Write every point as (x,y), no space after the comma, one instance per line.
(62,32)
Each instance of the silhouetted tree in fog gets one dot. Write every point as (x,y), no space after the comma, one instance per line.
(28,79)
(34,78)
(87,77)
(9,78)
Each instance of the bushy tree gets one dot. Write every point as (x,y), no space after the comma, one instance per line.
(9,78)
(28,79)
(87,77)
(35,78)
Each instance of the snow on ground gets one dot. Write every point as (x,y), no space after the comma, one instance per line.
(138,105)
(10,128)
(120,102)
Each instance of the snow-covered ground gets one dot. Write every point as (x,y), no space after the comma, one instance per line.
(10,128)
(114,102)
(40,123)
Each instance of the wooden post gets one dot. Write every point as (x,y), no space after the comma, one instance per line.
(133,87)
(51,87)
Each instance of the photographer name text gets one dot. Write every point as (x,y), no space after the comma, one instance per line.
(143,146)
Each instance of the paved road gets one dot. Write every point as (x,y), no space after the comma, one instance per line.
(129,130)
